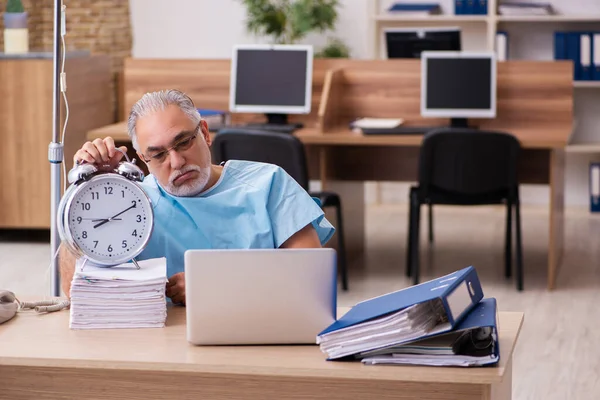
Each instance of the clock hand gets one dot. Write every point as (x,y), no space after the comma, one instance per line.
(114,216)
(104,219)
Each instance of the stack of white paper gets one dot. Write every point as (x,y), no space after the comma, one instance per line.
(473,343)
(119,297)
(377,123)
(408,324)
(431,360)
(435,351)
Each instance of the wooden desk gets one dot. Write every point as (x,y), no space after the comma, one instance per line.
(42,358)
(338,137)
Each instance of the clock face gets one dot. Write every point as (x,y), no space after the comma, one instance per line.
(110,219)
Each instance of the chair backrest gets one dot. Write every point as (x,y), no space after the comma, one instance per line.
(469,161)
(282,149)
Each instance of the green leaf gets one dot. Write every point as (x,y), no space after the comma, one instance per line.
(325,14)
(335,48)
(14,6)
(288,21)
(264,18)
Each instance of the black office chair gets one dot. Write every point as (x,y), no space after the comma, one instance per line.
(288,152)
(467,167)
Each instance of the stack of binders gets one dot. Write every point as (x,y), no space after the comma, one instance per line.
(470,7)
(119,297)
(583,48)
(445,321)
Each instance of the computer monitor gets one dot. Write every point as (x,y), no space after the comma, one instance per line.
(411,42)
(458,85)
(272,79)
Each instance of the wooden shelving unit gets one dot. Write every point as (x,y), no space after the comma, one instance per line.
(586,84)
(491,23)
(584,148)
(380,20)
(431,18)
(548,18)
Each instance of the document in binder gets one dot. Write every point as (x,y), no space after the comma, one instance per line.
(474,342)
(413,313)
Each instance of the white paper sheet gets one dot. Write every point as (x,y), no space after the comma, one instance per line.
(119,297)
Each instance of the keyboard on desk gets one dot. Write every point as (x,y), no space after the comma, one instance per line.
(400,130)
(283,128)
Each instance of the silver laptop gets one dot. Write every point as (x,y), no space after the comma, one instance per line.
(259,296)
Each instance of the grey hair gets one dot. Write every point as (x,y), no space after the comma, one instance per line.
(155,101)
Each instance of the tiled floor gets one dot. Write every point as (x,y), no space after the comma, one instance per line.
(556,356)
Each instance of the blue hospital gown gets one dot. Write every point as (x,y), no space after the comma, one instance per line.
(252,205)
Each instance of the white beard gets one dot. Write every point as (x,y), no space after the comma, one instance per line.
(191,187)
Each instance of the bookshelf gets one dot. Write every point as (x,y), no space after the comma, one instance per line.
(586,84)
(530,37)
(490,22)
(379,20)
(431,18)
(548,18)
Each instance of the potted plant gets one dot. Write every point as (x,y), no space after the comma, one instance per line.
(289,21)
(16,35)
(335,48)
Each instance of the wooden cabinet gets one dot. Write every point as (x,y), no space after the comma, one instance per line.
(26,86)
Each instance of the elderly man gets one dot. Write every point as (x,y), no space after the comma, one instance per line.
(198,205)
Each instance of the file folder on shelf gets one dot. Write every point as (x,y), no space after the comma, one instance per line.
(574,53)
(585,57)
(596,56)
(560,46)
(413,313)
(481,7)
(474,342)
(502,46)
(415,8)
(459,7)
(469,7)
(594,187)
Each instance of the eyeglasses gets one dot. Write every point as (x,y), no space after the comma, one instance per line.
(182,145)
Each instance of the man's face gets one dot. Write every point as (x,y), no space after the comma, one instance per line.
(176,151)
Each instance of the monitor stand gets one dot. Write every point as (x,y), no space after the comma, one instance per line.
(459,123)
(276,123)
(281,119)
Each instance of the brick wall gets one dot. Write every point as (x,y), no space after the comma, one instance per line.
(99,26)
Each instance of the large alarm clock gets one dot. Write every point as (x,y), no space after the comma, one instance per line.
(105,216)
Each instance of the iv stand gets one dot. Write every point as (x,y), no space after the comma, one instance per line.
(55,153)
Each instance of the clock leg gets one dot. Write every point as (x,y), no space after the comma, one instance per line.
(85,260)
(135,263)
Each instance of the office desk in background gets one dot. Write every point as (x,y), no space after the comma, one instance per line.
(342,161)
(535,103)
(42,358)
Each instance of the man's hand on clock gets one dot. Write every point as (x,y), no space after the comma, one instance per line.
(100,152)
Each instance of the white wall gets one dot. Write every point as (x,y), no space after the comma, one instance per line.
(209,28)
